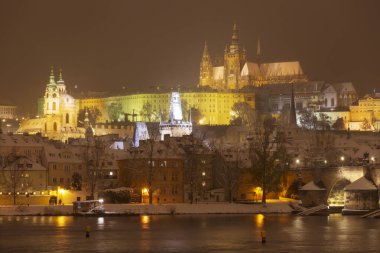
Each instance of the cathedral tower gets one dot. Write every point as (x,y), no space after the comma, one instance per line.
(234,59)
(206,71)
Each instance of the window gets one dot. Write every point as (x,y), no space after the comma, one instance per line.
(55,127)
(67,118)
(54,106)
(332,102)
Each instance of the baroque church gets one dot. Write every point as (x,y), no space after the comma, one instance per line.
(237,71)
(60,113)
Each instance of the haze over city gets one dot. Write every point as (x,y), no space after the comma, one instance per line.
(105,45)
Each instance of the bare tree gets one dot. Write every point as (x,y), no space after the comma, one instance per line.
(229,165)
(268,155)
(95,158)
(193,167)
(12,173)
(308,120)
(153,131)
(149,114)
(243,114)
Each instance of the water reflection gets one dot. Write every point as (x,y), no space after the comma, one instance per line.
(181,233)
(145,221)
(100,222)
(61,221)
(259,220)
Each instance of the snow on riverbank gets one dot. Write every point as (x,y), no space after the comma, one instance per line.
(210,208)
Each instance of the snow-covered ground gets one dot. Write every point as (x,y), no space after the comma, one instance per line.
(273,206)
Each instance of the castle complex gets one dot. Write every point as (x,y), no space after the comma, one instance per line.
(263,86)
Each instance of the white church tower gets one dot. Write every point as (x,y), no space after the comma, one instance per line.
(176,127)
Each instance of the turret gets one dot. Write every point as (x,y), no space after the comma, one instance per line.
(61,84)
(51,77)
(234,47)
(258,51)
(205,75)
(292,116)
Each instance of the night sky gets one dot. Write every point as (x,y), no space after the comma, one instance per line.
(104,45)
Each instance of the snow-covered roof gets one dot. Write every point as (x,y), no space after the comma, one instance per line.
(7,140)
(250,69)
(218,73)
(311,186)
(361,184)
(32,125)
(281,69)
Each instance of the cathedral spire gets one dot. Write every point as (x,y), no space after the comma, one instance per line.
(235,40)
(292,116)
(52,77)
(60,76)
(258,50)
(205,50)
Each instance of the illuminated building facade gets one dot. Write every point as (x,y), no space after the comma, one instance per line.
(214,107)
(8,112)
(365,114)
(237,72)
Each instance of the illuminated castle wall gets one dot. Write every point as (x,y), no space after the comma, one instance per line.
(215,107)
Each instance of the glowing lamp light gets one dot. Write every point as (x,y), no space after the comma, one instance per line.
(203,173)
(61,191)
(342,158)
(297,161)
(101,201)
(372,159)
(325,161)
(26,193)
(111,173)
(1,193)
(145,191)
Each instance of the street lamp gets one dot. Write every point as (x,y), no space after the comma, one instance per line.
(342,159)
(61,191)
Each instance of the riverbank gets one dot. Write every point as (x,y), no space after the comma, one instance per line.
(273,206)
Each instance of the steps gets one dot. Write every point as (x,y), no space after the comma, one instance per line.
(313,210)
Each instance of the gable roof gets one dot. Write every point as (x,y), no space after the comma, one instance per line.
(311,186)
(361,184)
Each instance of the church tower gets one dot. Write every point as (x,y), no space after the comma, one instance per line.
(206,71)
(51,105)
(234,59)
(59,108)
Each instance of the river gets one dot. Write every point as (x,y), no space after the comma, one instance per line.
(186,233)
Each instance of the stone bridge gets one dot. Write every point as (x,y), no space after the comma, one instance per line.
(332,179)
